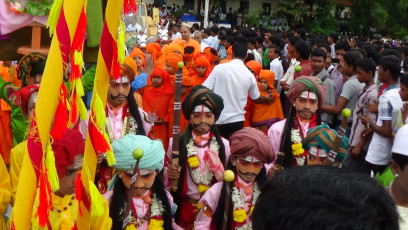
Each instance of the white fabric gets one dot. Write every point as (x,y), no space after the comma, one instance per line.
(176,35)
(232,81)
(277,69)
(257,56)
(400,142)
(203,45)
(379,151)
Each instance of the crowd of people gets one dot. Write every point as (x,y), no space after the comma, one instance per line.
(303,122)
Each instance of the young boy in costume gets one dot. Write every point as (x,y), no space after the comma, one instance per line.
(265,115)
(250,150)
(152,206)
(318,143)
(68,152)
(203,153)
(202,70)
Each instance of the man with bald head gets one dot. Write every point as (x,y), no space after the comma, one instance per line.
(199,38)
(186,40)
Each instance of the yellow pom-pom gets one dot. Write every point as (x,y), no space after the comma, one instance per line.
(54,15)
(239,215)
(83,112)
(131,227)
(193,162)
(199,206)
(155,224)
(51,169)
(121,42)
(96,200)
(202,188)
(79,87)
(99,110)
(251,210)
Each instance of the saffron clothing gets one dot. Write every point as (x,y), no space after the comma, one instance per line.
(63,216)
(4,192)
(264,114)
(190,42)
(141,209)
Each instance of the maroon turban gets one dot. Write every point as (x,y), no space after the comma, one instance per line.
(251,142)
(311,84)
(66,148)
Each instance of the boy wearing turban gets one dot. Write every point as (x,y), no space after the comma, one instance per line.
(152,205)
(250,150)
(139,58)
(123,115)
(68,152)
(203,153)
(319,143)
(307,95)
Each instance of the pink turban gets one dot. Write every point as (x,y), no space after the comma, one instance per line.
(311,84)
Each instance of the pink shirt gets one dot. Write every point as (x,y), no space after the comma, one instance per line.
(141,208)
(211,199)
(192,188)
(116,123)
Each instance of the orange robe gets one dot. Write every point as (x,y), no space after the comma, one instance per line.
(191,42)
(159,100)
(9,75)
(264,114)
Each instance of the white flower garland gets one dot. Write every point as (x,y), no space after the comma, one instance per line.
(156,213)
(238,201)
(199,176)
(295,136)
(156,208)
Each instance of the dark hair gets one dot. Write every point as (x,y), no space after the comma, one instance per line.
(404,50)
(218,217)
(196,26)
(119,198)
(250,57)
(324,197)
(392,64)
(371,53)
(405,64)
(302,33)
(404,80)
(278,41)
(319,53)
(288,35)
(303,48)
(214,30)
(392,51)
(277,49)
(400,160)
(351,57)
(241,38)
(259,39)
(252,40)
(334,36)
(342,45)
(325,45)
(223,37)
(207,31)
(367,65)
(134,111)
(294,39)
(239,50)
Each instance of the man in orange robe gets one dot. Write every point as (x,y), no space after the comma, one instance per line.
(186,40)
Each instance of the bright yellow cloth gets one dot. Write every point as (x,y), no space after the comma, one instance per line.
(65,220)
(4,192)
(16,161)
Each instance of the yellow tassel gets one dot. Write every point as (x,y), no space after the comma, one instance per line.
(51,169)
(83,112)
(54,15)
(96,200)
(78,59)
(99,110)
(121,42)
(79,87)
(131,227)
(110,157)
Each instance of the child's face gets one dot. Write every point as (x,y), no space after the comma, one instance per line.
(271,54)
(169,69)
(144,180)
(67,183)
(363,76)
(138,61)
(247,167)
(264,84)
(157,81)
(200,70)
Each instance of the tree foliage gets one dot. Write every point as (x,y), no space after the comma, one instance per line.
(295,11)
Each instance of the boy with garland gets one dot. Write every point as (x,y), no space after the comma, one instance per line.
(63,214)
(152,206)
(203,153)
(250,150)
(307,95)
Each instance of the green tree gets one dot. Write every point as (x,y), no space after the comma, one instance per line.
(295,11)
(324,21)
